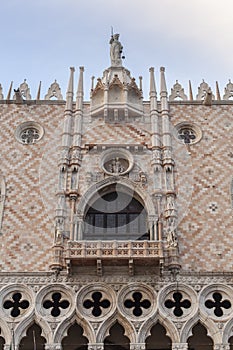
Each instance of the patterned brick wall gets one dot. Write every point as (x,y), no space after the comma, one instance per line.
(203,179)
(28,228)
(205,233)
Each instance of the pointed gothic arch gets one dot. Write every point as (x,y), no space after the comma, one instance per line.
(171,330)
(158,338)
(97,195)
(210,325)
(33,338)
(200,340)
(116,338)
(62,330)
(21,329)
(74,340)
(104,330)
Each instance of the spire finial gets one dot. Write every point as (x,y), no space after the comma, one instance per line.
(218,97)
(38,93)
(70,92)
(190,91)
(79,99)
(163,87)
(9,92)
(153,93)
(152,80)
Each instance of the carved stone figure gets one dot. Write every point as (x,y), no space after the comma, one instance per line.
(116,166)
(171,238)
(115,50)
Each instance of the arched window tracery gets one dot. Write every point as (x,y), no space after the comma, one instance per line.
(116,215)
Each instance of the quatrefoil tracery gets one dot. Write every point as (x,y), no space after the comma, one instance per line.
(218,304)
(56,304)
(137,304)
(16,304)
(177,303)
(97,303)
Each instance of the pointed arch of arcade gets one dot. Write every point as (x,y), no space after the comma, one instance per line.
(227,331)
(104,330)
(171,330)
(6,333)
(23,326)
(63,328)
(128,186)
(211,327)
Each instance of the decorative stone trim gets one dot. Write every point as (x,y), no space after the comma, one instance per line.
(116,161)
(188,133)
(29,132)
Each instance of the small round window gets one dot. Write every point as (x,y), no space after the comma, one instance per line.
(188,133)
(29,132)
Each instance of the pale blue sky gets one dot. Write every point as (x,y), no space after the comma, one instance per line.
(41,39)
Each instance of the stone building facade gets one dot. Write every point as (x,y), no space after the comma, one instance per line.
(116,215)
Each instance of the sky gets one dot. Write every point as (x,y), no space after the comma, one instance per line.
(41,39)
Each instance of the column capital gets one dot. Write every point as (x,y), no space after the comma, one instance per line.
(222,346)
(54,346)
(179,346)
(137,346)
(95,346)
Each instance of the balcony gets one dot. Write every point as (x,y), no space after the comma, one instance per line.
(107,253)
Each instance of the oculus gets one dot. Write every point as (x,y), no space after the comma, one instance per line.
(29,132)
(188,133)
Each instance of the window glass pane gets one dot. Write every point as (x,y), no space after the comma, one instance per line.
(111,220)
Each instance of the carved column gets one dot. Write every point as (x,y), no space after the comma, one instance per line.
(179,346)
(170,216)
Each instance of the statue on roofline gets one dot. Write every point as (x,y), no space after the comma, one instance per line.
(115,50)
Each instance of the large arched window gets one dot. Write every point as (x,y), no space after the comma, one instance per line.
(116,215)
